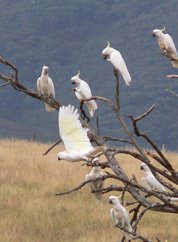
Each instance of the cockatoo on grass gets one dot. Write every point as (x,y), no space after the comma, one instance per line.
(95,173)
(74,137)
(45,86)
(116,59)
(83,91)
(120,216)
(150,182)
(167,46)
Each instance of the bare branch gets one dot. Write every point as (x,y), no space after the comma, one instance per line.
(172,76)
(108,138)
(166,163)
(54,145)
(6,84)
(172,92)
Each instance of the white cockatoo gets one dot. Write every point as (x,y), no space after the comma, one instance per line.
(45,86)
(96,173)
(166,45)
(150,182)
(74,137)
(116,59)
(83,91)
(120,216)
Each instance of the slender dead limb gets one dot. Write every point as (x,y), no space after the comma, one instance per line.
(7,63)
(112,188)
(141,216)
(167,164)
(172,92)
(135,213)
(103,99)
(108,138)
(132,233)
(134,120)
(98,126)
(6,84)
(117,91)
(172,76)
(48,150)
(82,185)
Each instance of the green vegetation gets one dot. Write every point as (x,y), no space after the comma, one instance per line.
(70,35)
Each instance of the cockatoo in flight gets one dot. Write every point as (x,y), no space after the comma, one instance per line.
(45,86)
(120,216)
(83,91)
(167,46)
(96,173)
(74,137)
(116,59)
(150,182)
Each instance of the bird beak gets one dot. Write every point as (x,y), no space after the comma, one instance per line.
(105,57)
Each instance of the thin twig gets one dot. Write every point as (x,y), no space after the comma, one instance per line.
(6,84)
(48,150)
(172,76)
(172,92)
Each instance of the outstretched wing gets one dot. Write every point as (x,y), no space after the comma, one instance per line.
(73,135)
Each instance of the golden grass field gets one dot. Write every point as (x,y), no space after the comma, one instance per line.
(30,211)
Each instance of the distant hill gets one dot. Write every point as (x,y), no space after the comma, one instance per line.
(69,36)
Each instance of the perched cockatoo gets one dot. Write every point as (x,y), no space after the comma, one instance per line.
(95,173)
(83,91)
(74,137)
(167,46)
(45,86)
(150,182)
(120,216)
(116,59)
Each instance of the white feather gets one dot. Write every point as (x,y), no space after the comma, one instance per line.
(120,216)
(167,46)
(73,135)
(45,86)
(83,91)
(149,181)
(116,59)
(95,173)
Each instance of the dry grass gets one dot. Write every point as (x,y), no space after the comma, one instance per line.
(30,211)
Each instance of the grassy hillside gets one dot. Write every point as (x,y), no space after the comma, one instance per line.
(30,211)
(70,35)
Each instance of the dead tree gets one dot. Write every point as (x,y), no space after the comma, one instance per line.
(139,193)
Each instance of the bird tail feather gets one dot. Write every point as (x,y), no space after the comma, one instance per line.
(49,108)
(174,63)
(92,106)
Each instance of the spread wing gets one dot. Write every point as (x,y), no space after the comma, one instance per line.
(73,135)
